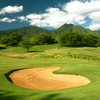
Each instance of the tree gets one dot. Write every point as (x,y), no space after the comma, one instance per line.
(68,39)
(89,40)
(98,43)
(5,41)
(26,44)
(42,39)
(77,40)
(15,38)
(34,39)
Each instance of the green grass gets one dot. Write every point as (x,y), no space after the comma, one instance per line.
(87,68)
(33,49)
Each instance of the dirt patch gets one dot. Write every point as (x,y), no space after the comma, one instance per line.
(17,55)
(44,79)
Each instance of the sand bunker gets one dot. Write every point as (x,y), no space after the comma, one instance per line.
(44,79)
(17,55)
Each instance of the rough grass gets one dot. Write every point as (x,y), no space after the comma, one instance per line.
(87,68)
(75,53)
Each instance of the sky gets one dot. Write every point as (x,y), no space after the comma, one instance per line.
(49,14)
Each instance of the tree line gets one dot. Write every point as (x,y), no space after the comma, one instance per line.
(16,39)
(69,39)
(65,39)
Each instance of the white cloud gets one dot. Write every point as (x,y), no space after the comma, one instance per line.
(53,17)
(22,18)
(34,16)
(94,26)
(82,22)
(7,20)
(73,12)
(95,16)
(82,8)
(11,9)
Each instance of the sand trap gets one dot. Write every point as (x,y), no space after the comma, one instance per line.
(17,55)
(43,79)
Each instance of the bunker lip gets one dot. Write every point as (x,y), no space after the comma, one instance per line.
(42,78)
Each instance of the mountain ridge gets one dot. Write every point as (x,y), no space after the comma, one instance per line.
(28,31)
(75,29)
(32,30)
(98,31)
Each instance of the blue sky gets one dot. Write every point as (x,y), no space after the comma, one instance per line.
(49,14)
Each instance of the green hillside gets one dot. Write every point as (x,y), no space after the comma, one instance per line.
(27,31)
(98,31)
(73,28)
(32,30)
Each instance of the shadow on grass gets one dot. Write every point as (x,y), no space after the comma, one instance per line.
(2,48)
(7,95)
(54,97)
(7,74)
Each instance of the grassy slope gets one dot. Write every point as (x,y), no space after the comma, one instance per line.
(33,49)
(88,68)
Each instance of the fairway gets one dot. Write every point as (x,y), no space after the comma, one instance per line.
(59,63)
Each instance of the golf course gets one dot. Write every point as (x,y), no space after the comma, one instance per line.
(49,72)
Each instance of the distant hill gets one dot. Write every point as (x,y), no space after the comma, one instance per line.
(73,28)
(98,31)
(32,30)
(26,31)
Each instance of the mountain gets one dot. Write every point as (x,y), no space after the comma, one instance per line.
(30,31)
(98,31)
(74,28)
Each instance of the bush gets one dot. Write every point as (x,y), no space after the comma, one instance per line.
(42,39)
(77,40)
(15,38)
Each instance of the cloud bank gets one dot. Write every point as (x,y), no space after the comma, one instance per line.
(75,12)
